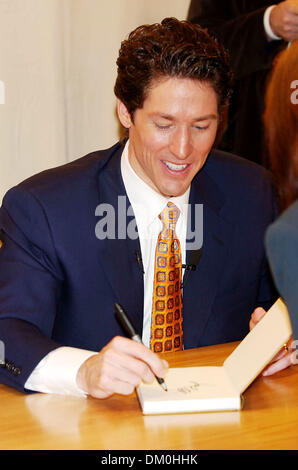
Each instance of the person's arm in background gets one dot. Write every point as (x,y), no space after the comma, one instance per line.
(284,20)
(242,33)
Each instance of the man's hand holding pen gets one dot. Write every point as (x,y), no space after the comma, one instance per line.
(118,368)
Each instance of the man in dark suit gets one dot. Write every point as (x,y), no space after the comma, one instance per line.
(253,31)
(72,245)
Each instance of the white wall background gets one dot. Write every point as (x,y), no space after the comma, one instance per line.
(57,73)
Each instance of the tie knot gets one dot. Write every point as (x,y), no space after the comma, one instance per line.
(169,217)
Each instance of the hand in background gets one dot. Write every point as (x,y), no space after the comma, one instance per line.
(285,358)
(284,20)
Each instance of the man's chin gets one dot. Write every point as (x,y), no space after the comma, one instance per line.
(172,192)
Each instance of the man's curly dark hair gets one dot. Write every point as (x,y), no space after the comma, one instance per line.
(171,48)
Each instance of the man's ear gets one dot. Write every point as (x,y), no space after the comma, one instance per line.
(123,114)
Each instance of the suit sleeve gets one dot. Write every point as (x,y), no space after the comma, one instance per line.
(282,249)
(242,33)
(30,286)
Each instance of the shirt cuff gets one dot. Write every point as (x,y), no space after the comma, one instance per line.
(57,372)
(267,27)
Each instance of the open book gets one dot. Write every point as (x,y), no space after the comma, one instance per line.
(192,389)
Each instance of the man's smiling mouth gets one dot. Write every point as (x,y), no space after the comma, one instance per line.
(174,167)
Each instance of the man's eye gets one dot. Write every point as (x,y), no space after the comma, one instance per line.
(201,128)
(162,126)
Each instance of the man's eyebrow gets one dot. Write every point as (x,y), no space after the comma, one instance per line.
(172,118)
(208,116)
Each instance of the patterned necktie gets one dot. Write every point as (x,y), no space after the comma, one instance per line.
(166,327)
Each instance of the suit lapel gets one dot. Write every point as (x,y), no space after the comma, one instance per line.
(117,251)
(201,287)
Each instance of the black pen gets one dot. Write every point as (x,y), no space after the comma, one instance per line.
(130,330)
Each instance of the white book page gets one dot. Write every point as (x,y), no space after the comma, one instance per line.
(190,389)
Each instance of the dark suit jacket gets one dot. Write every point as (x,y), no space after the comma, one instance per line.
(58,281)
(238,25)
(282,249)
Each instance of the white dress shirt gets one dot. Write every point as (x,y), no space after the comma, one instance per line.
(57,371)
(267,26)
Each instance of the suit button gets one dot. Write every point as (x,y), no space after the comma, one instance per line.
(9,366)
(16,371)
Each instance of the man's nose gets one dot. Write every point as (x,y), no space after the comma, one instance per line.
(181,145)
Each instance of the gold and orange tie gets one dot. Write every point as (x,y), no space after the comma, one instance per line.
(166,326)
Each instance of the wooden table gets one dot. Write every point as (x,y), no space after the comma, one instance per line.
(269,419)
